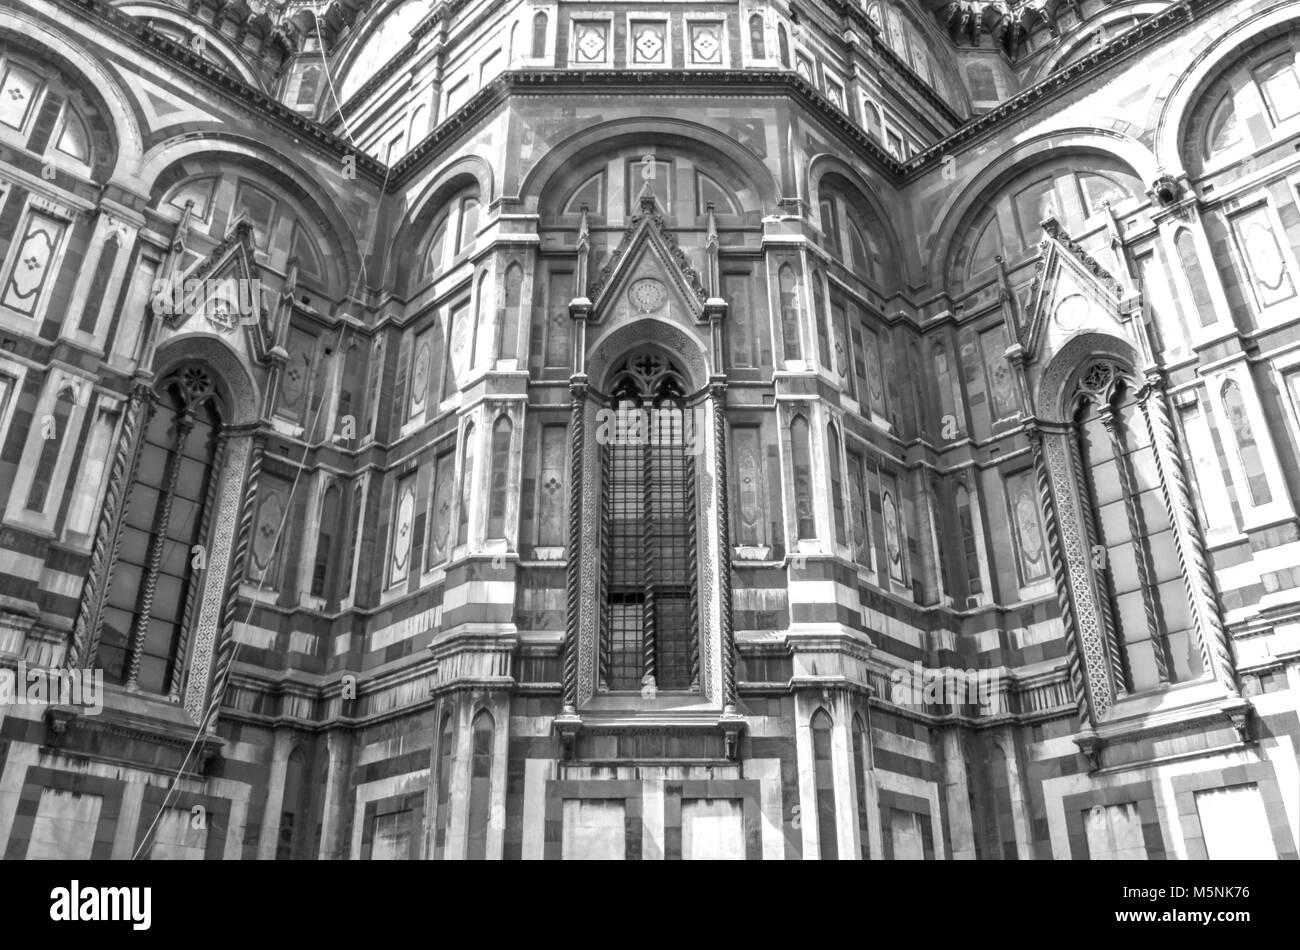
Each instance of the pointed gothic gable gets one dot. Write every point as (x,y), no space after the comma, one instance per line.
(224,292)
(1070,292)
(650,266)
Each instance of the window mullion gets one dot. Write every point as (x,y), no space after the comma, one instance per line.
(153,562)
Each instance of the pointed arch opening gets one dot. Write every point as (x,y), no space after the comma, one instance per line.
(824,783)
(150,607)
(482,733)
(651,611)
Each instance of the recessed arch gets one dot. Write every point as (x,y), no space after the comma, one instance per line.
(1055,383)
(959,213)
(216,152)
(236,386)
(1170,113)
(122,115)
(574,151)
(467,173)
(828,172)
(1239,107)
(680,347)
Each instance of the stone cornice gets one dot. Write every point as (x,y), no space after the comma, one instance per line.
(723,82)
(1152,30)
(717,83)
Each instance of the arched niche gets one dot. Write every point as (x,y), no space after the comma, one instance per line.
(563,168)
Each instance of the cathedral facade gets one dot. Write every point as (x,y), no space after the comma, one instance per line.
(773,429)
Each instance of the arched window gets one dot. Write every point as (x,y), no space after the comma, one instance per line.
(351,548)
(846,211)
(508,345)
(858,500)
(500,478)
(1252,463)
(466,485)
(1069,188)
(871,112)
(819,309)
(54,436)
(435,251)
(468,223)
(446,764)
(453,230)
(801,458)
(783,45)
(830,225)
(969,542)
(151,601)
(292,813)
(953,422)
(484,338)
(439,518)
(1185,245)
(824,780)
(789,290)
(1139,583)
(330,526)
(837,483)
(539,34)
(860,784)
(648,509)
(480,786)
(757,45)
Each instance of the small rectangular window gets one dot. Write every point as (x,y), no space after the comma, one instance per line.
(19,90)
(1279,86)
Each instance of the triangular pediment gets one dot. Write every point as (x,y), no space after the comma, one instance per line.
(222,293)
(1070,293)
(647,272)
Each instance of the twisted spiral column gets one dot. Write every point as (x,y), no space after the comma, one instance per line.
(1137,532)
(692,554)
(1101,585)
(1212,637)
(1052,527)
(153,561)
(103,556)
(605,656)
(724,545)
(648,630)
(226,644)
(196,584)
(573,567)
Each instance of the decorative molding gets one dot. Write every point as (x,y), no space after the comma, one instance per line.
(647,226)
